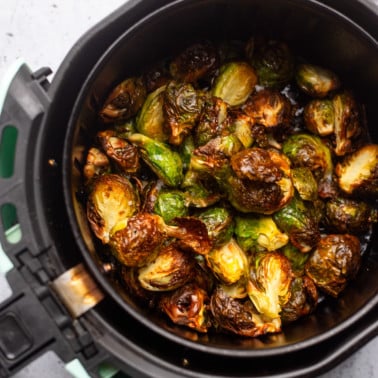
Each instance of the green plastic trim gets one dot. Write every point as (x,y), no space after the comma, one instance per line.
(76,369)
(13,235)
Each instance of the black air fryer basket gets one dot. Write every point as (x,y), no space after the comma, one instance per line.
(63,296)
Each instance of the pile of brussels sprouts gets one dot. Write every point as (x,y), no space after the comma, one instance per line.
(233,185)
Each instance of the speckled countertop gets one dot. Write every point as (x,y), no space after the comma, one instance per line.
(41,32)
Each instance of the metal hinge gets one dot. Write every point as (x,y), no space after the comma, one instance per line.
(77,290)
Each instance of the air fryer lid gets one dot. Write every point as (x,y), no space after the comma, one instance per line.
(313,31)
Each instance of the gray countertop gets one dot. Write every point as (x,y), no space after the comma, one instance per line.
(41,32)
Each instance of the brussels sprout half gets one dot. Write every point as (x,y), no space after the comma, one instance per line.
(316,81)
(124,101)
(235,82)
(163,161)
(170,269)
(228,262)
(269,283)
(111,202)
(259,233)
(358,172)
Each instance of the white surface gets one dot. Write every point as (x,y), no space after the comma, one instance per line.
(41,32)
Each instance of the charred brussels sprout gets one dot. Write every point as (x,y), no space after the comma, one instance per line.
(194,63)
(212,121)
(163,161)
(310,151)
(346,215)
(338,116)
(358,172)
(191,234)
(228,262)
(258,233)
(334,263)
(171,204)
(269,108)
(124,101)
(120,151)
(96,164)
(303,299)
(111,202)
(187,306)
(269,283)
(239,316)
(220,224)
(316,81)
(235,82)
(261,181)
(300,223)
(137,243)
(319,117)
(182,107)
(170,269)
(151,121)
(273,62)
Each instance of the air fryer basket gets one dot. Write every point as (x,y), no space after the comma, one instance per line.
(315,32)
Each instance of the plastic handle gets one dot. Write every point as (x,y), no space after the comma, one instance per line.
(23,101)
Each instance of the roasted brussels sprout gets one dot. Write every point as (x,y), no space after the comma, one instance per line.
(129,279)
(124,101)
(259,233)
(151,121)
(212,122)
(220,224)
(242,128)
(269,108)
(305,184)
(347,122)
(170,269)
(228,262)
(296,257)
(124,154)
(310,151)
(182,107)
(319,117)
(194,63)
(316,81)
(171,204)
(138,242)
(358,172)
(347,215)
(300,223)
(163,161)
(334,263)
(272,60)
(261,183)
(269,283)
(200,190)
(239,316)
(191,233)
(187,306)
(303,299)
(338,116)
(111,202)
(96,164)
(235,82)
